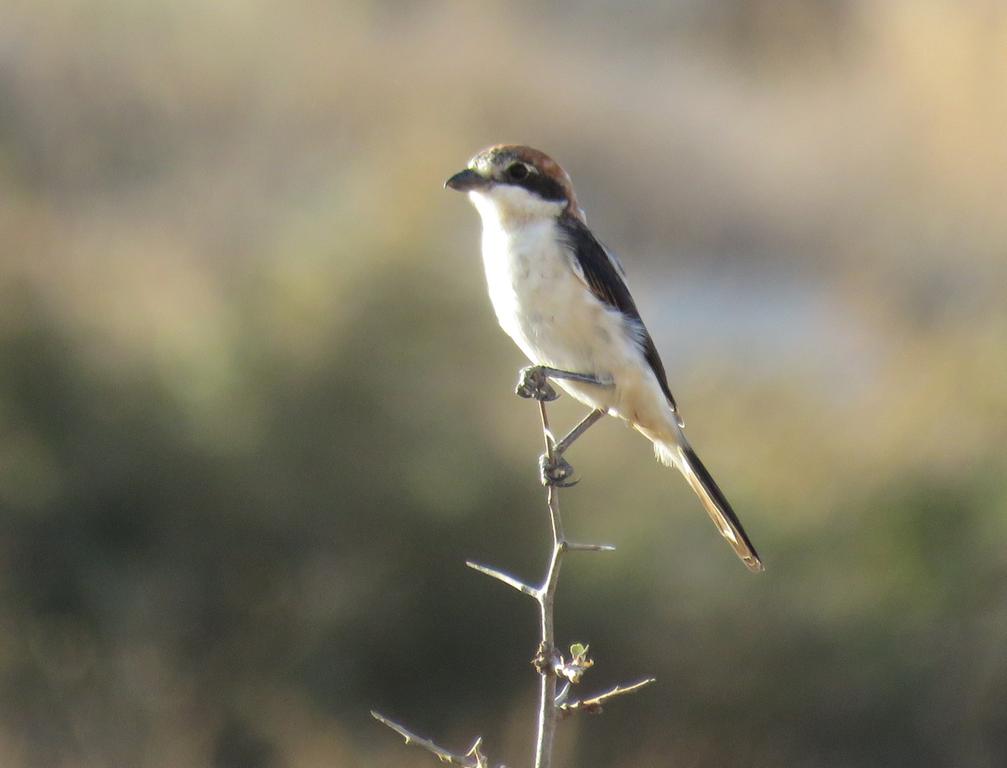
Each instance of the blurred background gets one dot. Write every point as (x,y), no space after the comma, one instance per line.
(255,412)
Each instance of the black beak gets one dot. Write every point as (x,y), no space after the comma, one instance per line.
(465,180)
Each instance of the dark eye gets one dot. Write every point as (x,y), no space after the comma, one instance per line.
(517,171)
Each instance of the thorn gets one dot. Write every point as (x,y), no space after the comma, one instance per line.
(574,546)
(510,581)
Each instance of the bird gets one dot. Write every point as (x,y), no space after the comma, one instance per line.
(562,297)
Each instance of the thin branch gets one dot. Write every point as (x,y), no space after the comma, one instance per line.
(474,758)
(548,661)
(594,704)
(545,661)
(550,440)
(510,581)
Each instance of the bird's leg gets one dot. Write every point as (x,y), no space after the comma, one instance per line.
(553,468)
(585,424)
(533,382)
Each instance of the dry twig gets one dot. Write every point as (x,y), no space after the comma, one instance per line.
(594,704)
(474,758)
(548,661)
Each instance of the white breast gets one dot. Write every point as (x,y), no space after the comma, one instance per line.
(544,306)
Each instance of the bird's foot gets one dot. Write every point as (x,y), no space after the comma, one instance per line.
(533,384)
(556,471)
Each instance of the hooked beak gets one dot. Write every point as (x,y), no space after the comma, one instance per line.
(463,181)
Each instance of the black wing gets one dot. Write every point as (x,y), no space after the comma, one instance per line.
(602,275)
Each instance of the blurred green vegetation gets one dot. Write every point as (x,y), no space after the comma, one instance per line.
(255,414)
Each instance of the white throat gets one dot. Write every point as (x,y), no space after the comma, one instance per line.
(506,207)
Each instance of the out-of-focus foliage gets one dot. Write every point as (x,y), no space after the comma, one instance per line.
(254,411)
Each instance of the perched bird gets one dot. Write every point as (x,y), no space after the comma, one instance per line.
(562,297)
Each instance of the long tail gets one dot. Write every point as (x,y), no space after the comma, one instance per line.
(681,456)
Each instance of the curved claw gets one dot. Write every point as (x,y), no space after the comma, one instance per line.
(556,472)
(533,384)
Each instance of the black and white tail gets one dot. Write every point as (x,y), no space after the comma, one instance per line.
(681,456)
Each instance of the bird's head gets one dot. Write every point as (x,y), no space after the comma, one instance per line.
(516,184)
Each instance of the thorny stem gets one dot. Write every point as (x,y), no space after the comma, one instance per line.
(474,758)
(547,712)
(548,661)
(548,657)
(594,703)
